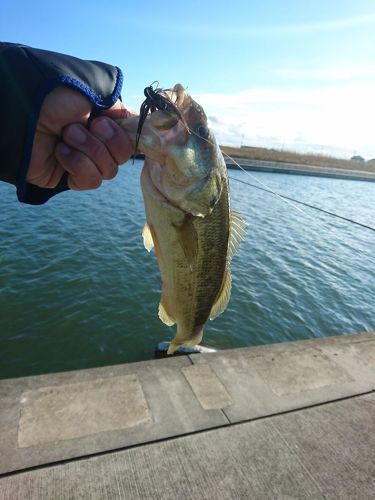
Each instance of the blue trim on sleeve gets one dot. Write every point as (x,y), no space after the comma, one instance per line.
(96,99)
(28,193)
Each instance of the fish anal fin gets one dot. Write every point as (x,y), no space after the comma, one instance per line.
(237,231)
(223,296)
(147,238)
(164,315)
(188,239)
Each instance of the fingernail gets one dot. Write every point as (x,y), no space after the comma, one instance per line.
(104,129)
(77,135)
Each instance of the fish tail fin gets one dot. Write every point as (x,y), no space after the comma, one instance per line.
(189,340)
(173,346)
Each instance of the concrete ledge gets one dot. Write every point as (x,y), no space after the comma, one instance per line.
(300,169)
(326,452)
(72,399)
(271,379)
(51,418)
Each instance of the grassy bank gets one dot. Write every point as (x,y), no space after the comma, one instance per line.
(253,153)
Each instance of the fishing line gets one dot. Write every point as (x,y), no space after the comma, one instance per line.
(155,99)
(307,205)
(286,199)
(265,187)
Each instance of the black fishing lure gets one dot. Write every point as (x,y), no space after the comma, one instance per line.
(155,99)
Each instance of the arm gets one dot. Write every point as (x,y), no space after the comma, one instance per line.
(47,99)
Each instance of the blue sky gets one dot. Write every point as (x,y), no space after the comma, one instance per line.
(286,74)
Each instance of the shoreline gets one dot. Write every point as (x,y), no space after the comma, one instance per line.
(281,167)
(299,169)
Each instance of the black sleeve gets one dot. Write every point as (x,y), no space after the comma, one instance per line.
(27,75)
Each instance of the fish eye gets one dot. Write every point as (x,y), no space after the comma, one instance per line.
(202,131)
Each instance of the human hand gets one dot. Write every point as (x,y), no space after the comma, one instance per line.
(64,143)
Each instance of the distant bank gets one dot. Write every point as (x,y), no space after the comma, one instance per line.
(292,168)
(269,160)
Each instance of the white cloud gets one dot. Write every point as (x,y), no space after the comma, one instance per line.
(337,119)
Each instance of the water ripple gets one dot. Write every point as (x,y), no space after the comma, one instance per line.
(77,288)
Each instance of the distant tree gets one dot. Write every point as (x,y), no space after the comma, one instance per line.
(357,158)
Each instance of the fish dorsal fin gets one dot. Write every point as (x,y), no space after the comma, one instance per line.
(147,238)
(188,239)
(223,296)
(164,316)
(237,231)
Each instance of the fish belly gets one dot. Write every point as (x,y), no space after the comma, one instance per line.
(190,283)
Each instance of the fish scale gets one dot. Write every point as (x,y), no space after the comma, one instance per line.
(213,235)
(186,195)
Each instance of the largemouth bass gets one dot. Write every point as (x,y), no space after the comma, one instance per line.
(189,224)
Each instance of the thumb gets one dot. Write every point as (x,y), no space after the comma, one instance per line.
(119,111)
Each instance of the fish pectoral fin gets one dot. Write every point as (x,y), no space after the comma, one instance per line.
(147,238)
(237,230)
(223,296)
(188,239)
(164,316)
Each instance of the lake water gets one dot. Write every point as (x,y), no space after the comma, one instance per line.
(78,290)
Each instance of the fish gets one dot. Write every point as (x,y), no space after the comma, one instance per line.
(189,223)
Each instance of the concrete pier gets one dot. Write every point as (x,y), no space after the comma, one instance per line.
(291,420)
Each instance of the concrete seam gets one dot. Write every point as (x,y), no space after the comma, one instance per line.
(226,416)
(178,436)
(191,361)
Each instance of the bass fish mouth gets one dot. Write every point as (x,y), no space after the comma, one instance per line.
(211,199)
(187,203)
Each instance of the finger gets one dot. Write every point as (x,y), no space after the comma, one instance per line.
(78,137)
(83,173)
(118,111)
(114,137)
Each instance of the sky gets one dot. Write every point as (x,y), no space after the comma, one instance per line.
(295,75)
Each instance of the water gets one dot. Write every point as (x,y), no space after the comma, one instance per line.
(78,290)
